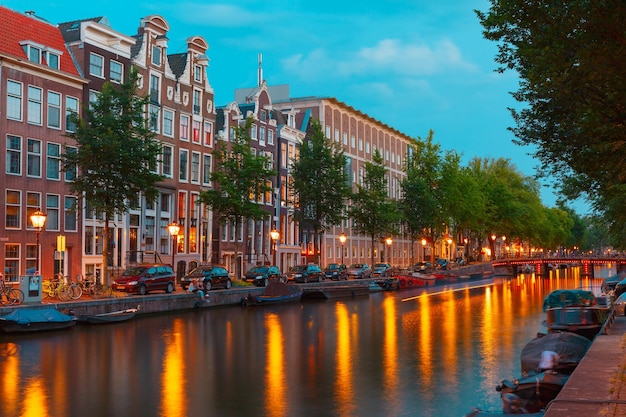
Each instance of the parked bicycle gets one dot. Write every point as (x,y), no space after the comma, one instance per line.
(56,287)
(94,288)
(10,295)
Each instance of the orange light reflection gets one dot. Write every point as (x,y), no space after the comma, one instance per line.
(174,373)
(276,388)
(344,390)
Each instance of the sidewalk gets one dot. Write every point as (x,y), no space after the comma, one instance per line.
(598,385)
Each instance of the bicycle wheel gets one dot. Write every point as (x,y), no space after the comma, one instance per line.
(64,293)
(76,291)
(46,291)
(15,296)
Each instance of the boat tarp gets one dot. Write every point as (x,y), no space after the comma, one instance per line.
(565,298)
(570,347)
(31,315)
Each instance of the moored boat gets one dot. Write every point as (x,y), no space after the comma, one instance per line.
(532,393)
(35,320)
(570,348)
(275,292)
(112,317)
(574,311)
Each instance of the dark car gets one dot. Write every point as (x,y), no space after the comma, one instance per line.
(305,273)
(423,266)
(609,284)
(336,272)
(442,264)
(381,270)
(262,275)
(620,288)
(359,271)
(142,279)
(208,277)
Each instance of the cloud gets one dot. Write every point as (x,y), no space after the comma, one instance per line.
(388,58)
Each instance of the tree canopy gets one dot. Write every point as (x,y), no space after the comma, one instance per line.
(112,161)
(569,56)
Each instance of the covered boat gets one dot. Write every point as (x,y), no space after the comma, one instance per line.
(34,320)
(275,292)
(574,311)
(531,394)
(570,347)
(112,317)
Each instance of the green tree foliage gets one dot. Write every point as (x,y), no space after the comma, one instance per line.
(114,156)
(373,213)
(240,181)
(569,55)
(320,185)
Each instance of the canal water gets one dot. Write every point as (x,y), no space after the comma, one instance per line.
(406,353)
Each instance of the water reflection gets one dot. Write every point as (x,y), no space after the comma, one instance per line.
(433,355)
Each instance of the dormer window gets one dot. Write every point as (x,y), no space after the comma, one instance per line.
(40,54)
(156,56)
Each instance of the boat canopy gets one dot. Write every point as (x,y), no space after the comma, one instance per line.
(30,315)
(567,298)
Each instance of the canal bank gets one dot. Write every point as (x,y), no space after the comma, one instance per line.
(597,386)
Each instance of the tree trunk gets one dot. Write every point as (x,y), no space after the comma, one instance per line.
(105,252)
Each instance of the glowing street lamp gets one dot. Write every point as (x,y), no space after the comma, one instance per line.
(38,219)
(424,242)
(342,239)
(174,228)
(389,242)
(274,235)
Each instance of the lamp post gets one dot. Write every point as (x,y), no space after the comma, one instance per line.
(342,239)
(503,243)
(38,219)
(448,243)
(174,228)
(424,242)
(274,235)
(389,241)
(493,247)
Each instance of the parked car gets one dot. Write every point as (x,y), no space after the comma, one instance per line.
(262,275)
(336,272)
(381,270)
(142,279)
(441,263)
(208,277)
(620,305)
(423,266)
(305,273)
(609,284)
(359,271)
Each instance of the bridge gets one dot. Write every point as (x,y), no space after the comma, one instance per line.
(543,266)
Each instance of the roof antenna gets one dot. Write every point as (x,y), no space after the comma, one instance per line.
(260,74)
(30,12)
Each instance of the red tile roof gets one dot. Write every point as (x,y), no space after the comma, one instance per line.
(16,27)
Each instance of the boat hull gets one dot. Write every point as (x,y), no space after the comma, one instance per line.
(112,317)
(532,393)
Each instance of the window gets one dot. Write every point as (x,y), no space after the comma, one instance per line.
(167,161)
(13,207)
(14,155)
(197,73)
(54,110)
(11,262)
(70,204)
(96,65)
(156,55)
(196,102)
(184,127)
(195,167)
(360,144)
(153,118)
(93,98)
(71,174)
(262,135)
(71,107)
(53,161)
(183,159)
(168,123)
(270,137)
(208,131)
(206,170)
(345,138)
(52,210)
(154,88)
(33,158)
(327,132)
(52,60)
(196,131)
(336,135)
(14,100)
(34,105)
(115,72)
(253,132)
(352,141)
(33,203)
(33,53)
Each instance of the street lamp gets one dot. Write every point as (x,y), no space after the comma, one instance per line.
(389,241)
(503,243)
(174,228)
(274,235)
(38,219)
(342,239)
(424,242)
(448,243)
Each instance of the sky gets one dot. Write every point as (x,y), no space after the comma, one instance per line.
(413,65)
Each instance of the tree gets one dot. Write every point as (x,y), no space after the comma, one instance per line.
(569,56)
(372,212)
(114,156)
(320,184)
(240,180)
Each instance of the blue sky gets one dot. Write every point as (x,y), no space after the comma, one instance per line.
(414,65)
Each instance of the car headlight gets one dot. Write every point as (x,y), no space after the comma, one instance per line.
(297,276)
(133,282)
(259,277)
